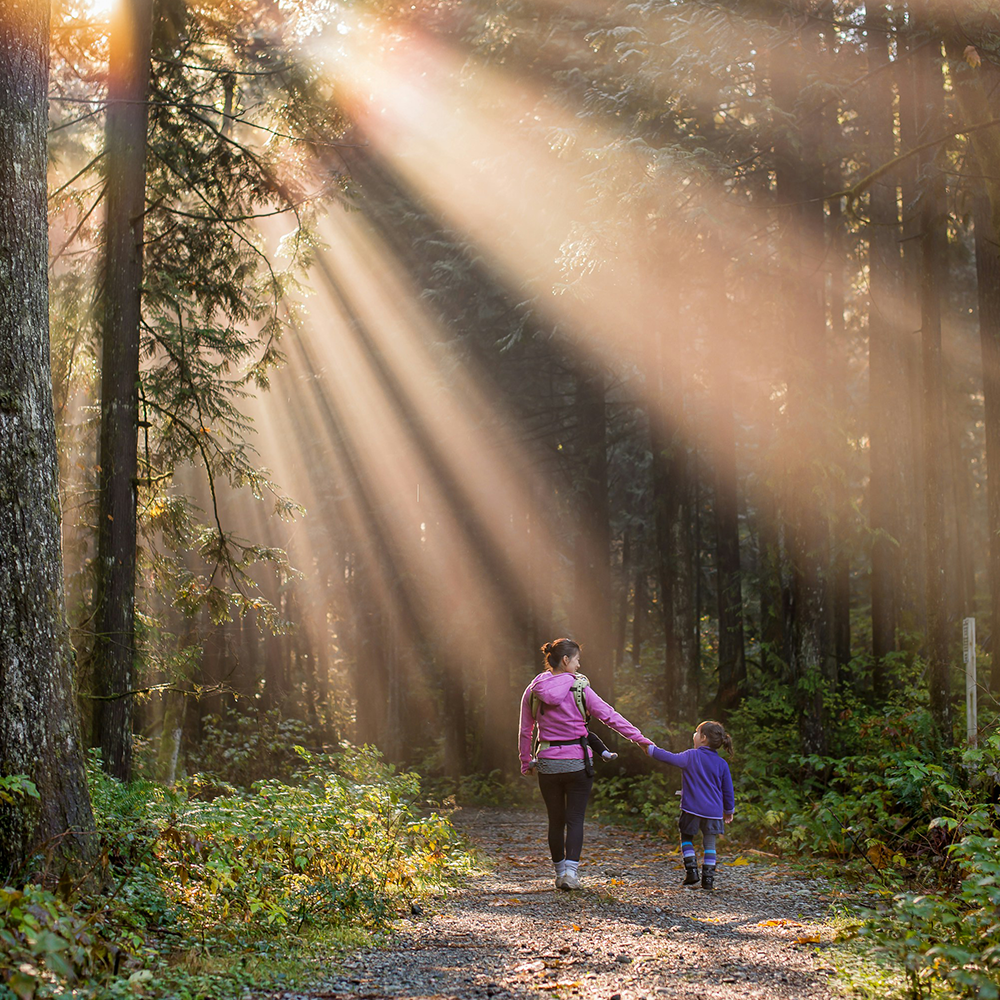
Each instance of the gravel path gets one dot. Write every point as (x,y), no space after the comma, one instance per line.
(633,933)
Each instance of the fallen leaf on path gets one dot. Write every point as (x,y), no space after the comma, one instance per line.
(737,862)
(782,922)
(808,939)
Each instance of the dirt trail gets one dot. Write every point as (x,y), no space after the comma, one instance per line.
(633,933)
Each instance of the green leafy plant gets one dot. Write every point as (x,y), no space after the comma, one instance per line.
(201,894)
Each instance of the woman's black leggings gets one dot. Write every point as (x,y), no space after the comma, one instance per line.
(566,798)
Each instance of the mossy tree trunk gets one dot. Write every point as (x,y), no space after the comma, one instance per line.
(39,728)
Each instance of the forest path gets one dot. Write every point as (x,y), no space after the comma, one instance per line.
(632,933)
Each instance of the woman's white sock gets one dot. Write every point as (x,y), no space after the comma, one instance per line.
(560,867)
(571,867)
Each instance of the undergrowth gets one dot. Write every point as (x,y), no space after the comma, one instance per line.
(884,812)
(198,895)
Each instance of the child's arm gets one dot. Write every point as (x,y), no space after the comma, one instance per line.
(677,759)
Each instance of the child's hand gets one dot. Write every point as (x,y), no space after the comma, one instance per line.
(727,818)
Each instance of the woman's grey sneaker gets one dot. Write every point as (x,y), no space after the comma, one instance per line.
(570,881)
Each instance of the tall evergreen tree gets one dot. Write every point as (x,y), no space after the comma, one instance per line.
(117,458)
(39,730)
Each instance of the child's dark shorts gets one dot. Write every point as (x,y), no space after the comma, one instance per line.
(691,824)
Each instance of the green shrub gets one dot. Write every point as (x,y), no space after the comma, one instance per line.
(197,891)
(241,748)
(46,946)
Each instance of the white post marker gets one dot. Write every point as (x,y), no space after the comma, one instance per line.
(969,657)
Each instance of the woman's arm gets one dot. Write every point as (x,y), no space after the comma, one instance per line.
(600,709)
(524,733)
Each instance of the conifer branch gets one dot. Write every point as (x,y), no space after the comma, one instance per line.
(79,226)
(62,187)
(854,192)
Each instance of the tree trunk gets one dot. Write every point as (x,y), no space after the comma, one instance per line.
(39,729)
(963,602)
(672,517)
(912,604)
(125,145)
(621,624)
(887,407)
(799,185)
(591,617)
(840,610)
(933,264)
(639,611)
(175,704)
(988,291)
(455,725)
(729,583)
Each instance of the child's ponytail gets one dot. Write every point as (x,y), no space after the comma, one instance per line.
(716,736)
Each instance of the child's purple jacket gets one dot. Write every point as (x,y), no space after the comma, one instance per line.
(561,719)
(707,785)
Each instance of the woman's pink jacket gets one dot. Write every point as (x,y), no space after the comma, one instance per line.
(560,719)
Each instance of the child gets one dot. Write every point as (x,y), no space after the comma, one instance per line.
(707,798)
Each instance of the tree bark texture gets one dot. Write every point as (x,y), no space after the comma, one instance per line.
(912,604)
(988,291)
(799,183)
(729,583)
(39,728)
(672,517)
(125,164)
(888,407)
(591,619)
(934,266)
(840,588)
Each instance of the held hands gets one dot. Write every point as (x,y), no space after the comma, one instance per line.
(650,749)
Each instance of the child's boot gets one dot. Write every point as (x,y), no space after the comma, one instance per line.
(708,877)
(690,872)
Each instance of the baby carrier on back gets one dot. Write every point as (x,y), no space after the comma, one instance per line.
(537,707)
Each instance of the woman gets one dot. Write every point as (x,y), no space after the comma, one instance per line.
(555,703)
